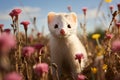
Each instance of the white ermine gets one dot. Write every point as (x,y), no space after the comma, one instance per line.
(64,43)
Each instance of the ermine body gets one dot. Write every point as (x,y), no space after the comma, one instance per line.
(64,43)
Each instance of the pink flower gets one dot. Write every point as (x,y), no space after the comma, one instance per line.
(16,12)
(27,51)
(38,34)
(7,41)
(118,24)
(84,9)
(115,46)
(7,31)
(109,36)
(13,76)
(11,14)
(25,24)
(79,56)
(81,77)
(118,5)
(69,8)
(111,8)
(41,68)
(38,47)
(1,26)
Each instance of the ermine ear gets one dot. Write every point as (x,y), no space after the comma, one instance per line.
(51,17)
(74,16)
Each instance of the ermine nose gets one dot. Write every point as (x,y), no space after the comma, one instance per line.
(62,32)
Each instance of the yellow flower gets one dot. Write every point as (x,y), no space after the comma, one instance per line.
(105,67)
(96,36)
(108,1)
(99,54)
(94,70)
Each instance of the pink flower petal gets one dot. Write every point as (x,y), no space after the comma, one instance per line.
(25,24)
(38,46)
(7,31)
(118,24)
(109,36)
(13,76)
(69,8)
(27,51)
(111,7)
(84,9)
(7,41)
(41,68)
(115,46)
(16,11)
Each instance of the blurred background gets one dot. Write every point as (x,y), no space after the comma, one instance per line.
(22,52)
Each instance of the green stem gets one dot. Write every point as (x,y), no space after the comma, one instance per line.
(98,43)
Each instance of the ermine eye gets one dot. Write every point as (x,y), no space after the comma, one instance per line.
(68,26)
(56,26)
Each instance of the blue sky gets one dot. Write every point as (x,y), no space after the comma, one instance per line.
(40,9)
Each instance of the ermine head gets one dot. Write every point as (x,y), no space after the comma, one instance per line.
(62,24)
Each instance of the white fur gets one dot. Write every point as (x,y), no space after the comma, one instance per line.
(64,48)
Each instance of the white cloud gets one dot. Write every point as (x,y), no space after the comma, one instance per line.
(27,12)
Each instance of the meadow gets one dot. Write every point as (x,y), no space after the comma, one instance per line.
(26,56)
